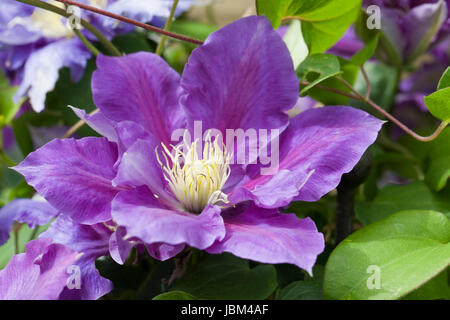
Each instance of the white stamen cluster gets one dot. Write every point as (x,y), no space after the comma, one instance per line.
(196,182)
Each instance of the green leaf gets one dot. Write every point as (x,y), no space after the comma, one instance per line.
(133,42)
(438,103)
(301,290)
(227,277)
(323,21)
(7,250)
(349,73)
(295,43)
(193,29)
(436,288)
(403,252)
(395,198)
(318,68)
(8,108)
(445,80)
(438,172)
(175,295)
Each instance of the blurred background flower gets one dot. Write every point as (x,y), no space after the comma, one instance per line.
(35,43)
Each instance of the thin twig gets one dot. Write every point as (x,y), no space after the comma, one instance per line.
(131,21)
(161,43)
(366,78)
(333,90)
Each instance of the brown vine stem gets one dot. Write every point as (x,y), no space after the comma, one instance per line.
(401,125)
(366,79)
(131,21)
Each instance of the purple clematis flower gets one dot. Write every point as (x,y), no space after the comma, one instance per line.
(133,187)
(402,40)
(425,80)
(35,44)
(41,273)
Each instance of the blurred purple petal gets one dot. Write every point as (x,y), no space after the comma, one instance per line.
(42,69)
(38,274)
(91,242)
(32,212)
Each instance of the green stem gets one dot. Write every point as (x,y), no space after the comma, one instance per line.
(16,239)
(4,158)
(101,38)
(161,43)
(34,234)
(86,42)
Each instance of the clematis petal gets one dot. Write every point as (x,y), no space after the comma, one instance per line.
(140,213)
(42,69)
(242,77)
(74,176)
(267,236)
(38,274)
(29,211)
(139,167)
(7,218)
(430,17)
(118,247)
(164,251)
(128,132)
(98,122)
(139,87)
(317,148)
(92,241)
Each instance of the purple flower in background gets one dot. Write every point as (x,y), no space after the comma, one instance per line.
(133,187)
(8,137)
(35,44)
(348,45)
(409,27)
(34,212)
(425,80)
(92,241)
(41,273)
(405,41)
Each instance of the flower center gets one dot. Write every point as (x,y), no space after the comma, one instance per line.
(196,181)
